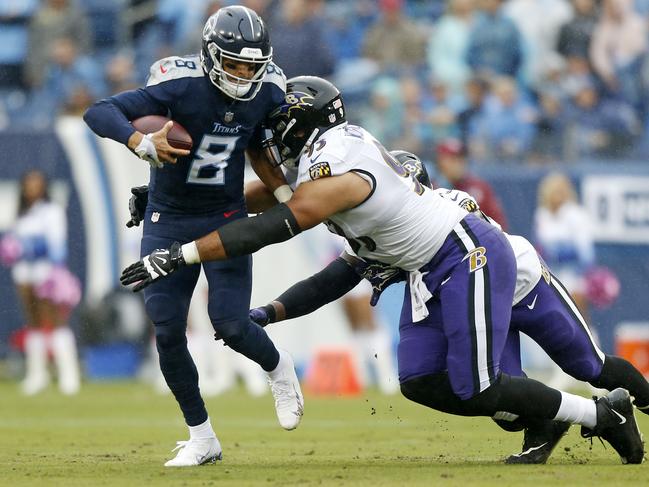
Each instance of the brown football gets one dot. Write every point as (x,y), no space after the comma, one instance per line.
(177,137)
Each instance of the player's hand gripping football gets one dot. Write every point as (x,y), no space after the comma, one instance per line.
(137,205)
(155,148)
(156,265)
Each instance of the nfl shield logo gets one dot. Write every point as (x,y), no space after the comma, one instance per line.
(155,217)
(228,117)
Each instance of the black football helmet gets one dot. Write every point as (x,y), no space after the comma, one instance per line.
(236,33)
(311,106)
(413,165)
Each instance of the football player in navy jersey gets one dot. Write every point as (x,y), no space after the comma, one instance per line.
(221,97)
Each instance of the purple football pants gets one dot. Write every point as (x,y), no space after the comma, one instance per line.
(472,279)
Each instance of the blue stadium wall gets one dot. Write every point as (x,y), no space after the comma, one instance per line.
(99,173)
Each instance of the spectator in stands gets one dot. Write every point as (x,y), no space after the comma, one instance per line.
(299,41)
(349,22)
(447,47)
(35,249)
(69,79)
(575,35)
(577,74)
(453,167)
(120,73)
(505,127)
(494,42)
(142,32)
(618,47)
(599,127)
(415,131)
(441,106)
(394,41)
(548,143)
(476,91)
(539,22)
(191,43)
(383,115)
(14,19)
(56,19)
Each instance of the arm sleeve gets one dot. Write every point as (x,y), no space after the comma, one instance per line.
(331,283)
(111,117)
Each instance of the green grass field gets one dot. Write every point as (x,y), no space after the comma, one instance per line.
(121,433)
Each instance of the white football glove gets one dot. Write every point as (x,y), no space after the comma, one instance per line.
(146,151)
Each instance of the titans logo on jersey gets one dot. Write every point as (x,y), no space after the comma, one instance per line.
(211,176)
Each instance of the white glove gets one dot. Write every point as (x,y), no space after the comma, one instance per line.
(146,151)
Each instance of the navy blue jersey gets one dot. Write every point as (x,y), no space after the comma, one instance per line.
(211,177)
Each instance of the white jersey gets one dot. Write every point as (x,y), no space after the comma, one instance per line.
(528,264)
(43,225)
(401,223)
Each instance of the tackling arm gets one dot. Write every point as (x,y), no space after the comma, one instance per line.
(312,203)
(331,283)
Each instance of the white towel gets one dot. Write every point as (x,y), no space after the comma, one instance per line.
(419,295)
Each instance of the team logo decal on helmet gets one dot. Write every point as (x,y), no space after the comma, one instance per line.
(311,106)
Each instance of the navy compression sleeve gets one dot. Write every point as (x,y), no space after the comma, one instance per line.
(110,117)
(331,283)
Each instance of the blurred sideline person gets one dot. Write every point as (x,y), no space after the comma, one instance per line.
(563,235)
(370,338)
(453,166)
(221,96)
(347,178)
(36,249)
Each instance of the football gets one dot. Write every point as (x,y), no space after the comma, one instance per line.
(177,137)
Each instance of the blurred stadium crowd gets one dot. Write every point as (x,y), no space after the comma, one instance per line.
(518,80)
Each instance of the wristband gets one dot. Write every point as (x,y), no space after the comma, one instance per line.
(190,253)
(283,193)
(146,150)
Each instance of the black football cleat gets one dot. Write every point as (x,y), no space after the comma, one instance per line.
(538,442)
(617,425)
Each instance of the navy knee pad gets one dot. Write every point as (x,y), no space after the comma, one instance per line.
(170,335)
(232,331)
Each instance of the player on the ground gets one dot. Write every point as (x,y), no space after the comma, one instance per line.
(348,179)
(221,97)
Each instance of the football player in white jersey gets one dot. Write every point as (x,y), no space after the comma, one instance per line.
(348,179)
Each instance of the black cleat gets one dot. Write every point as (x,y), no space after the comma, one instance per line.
(538,442)
(617,425)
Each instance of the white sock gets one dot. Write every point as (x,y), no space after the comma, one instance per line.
(382,359)
(201,431)
(277,370)
(577,410)
(36,356)
(64,349)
